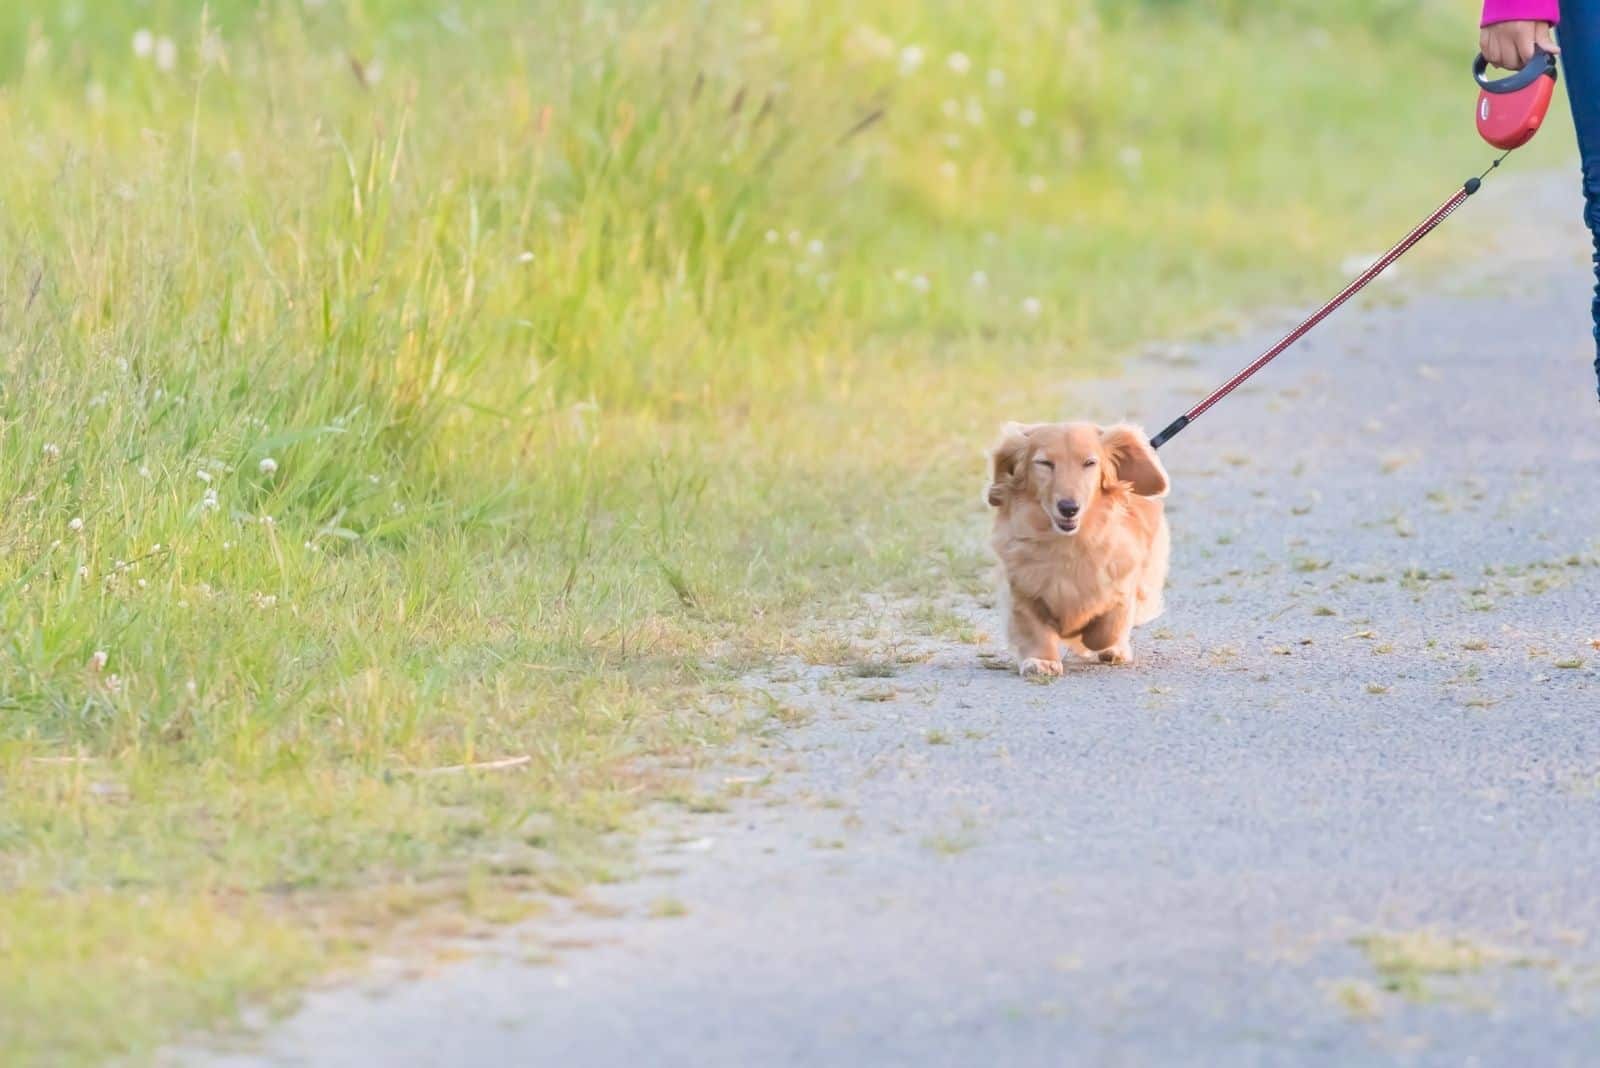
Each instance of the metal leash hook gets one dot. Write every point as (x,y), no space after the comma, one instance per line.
(1510,112)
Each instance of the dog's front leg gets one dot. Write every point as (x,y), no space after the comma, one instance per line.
(1110,634)
(1037,645)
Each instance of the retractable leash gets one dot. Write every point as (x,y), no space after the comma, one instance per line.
(1510,111)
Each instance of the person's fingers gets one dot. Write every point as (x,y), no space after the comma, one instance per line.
(1524,46)
(1499,46)
(1489,45)
(1545,39)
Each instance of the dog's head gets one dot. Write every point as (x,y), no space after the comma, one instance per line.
(1066,468)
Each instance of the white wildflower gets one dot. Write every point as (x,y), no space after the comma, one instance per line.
(211,50)
(1026,117)
(144,472)
(974,111)
(267,521)
(166,54)
(997,78)
(911,57)
(815,246)
(268,466)
(921,284)
(203,475)
(1036,184)
(144,42)
(209,501)
(958,62)
(1130,157)
(98,661)
(113,683)
(525,257)
(1031,307)
(75,524)
(980,280)
(947,170)
(83,570)
(772,237)
(52,451)
(868,42)
(142,584)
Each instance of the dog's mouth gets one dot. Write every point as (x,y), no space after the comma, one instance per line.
(1065,526)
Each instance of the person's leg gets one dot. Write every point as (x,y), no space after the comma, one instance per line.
(1579,37)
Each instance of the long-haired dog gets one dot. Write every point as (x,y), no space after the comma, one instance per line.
(1082,537)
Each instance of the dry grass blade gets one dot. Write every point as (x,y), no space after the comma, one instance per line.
(865,123)
(484,765)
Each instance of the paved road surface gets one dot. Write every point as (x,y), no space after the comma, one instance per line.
(1361,750)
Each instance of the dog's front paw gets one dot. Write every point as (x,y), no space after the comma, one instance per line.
(1117,654)
(1035,667)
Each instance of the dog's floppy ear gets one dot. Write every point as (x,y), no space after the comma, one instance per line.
(1134,461)
(1004,459)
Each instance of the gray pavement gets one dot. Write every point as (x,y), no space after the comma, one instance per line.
(1345,808)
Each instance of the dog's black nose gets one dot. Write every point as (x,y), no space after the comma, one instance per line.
(1068,509)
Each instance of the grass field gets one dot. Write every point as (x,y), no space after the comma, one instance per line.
(388,385)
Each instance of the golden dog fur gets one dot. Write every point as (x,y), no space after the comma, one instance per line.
(1081,535)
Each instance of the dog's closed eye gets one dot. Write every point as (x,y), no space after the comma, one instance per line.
(1051,464)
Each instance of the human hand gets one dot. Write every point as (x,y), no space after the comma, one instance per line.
(1509,45)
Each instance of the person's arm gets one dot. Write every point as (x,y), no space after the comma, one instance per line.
(1511,29)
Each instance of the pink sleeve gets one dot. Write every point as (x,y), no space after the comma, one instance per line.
(1507,10)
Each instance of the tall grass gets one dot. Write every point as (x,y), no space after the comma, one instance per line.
(389,385)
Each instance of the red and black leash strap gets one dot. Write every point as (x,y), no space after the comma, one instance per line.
(1400,249)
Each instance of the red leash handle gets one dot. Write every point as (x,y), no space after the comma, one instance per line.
(1511,109)
(1400,249)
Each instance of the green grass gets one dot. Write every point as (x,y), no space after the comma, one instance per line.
(1426,965)
(389,386)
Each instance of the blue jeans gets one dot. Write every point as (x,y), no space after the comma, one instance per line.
(1580,60)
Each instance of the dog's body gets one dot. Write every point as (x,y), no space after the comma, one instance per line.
(1081,535)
